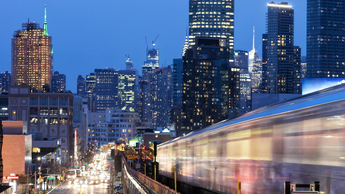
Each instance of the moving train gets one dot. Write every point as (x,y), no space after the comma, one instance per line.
(300,140)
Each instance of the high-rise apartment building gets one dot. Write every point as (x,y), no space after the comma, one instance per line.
(205,84)
(282,70)
(81,86)
(325,39)
(5,81)
(212,18)
(32,56)
(255,68)
(58,82)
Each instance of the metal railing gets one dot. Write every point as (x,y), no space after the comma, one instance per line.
(147,181)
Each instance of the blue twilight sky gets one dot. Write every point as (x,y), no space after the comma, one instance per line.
(89,34)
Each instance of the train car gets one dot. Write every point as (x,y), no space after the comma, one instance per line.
(300,140)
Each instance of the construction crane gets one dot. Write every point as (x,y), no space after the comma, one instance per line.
(154,41)
(128,57)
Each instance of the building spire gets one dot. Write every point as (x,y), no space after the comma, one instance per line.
(253,37)
(45,25)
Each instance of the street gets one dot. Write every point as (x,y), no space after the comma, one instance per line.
(85,189)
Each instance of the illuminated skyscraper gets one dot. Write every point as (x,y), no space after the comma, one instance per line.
(212,18)
(205,84)
(128,83)
(152,61)
(255,68)
(282,71)
(325,39)
(32,55)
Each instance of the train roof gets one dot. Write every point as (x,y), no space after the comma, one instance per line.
(324,96)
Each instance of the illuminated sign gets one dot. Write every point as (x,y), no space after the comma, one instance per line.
(310,85)
(13,176)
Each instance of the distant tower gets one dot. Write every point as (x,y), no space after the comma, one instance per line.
(282,72)
(81,86)
(32,56)
(255,67)
(129,63)
(152,60)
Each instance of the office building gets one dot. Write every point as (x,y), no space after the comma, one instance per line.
(212,19)
(5,81)
(106,89)
(32,56)
(46,113)
(325,39)
(58,82)
(128,87)
(205,84)
(152,61)
(255,68)
(109,125)
(282,68)
(81,86)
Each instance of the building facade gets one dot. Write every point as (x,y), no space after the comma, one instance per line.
(212,19)
(205,84)
(112,124)
(325,39)
(32,55)
(282,70)
(106,89)
(58,82)
(47,113)
(128,83)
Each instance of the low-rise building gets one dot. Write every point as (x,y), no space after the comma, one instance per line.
(112,124)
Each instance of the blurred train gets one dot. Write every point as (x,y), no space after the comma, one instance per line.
(300,140)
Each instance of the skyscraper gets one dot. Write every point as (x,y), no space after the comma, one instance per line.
(325,39)
(282,72)
(212,18)
(106,89)
(255,68)
(128,82)
(32,56)
(81,86)
(152,61)
(58,82)
(205,84)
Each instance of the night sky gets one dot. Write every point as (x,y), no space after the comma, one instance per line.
(89,34)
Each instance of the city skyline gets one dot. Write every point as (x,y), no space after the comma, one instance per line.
(83,24)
